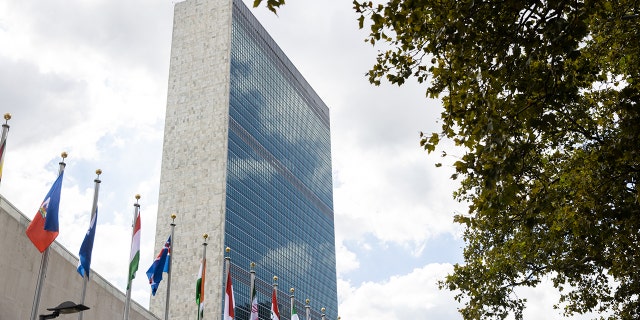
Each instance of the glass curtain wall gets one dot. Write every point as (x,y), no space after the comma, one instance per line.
(279,205)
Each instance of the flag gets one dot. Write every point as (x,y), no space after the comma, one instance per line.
(229,303)
(84,263)
(294,314)
(254,304)
(275,314)
(134,257)
(200,288)
(160,265)
(43,229)
(2,147)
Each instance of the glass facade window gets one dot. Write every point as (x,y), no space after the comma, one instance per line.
(279,200)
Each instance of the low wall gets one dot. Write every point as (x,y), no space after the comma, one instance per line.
(19,267)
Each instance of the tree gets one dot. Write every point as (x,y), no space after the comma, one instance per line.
(543,97)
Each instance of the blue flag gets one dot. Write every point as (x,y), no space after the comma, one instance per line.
(160,265)
(84,263)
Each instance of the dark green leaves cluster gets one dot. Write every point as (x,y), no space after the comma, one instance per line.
(272,5)
(544,97)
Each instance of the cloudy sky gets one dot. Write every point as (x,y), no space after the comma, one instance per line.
(89,77)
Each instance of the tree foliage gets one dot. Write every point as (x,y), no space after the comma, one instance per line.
(543,97)
(272,5)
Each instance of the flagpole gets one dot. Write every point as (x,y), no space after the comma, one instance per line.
(293,301)
(3,141)
(85,277)
(204,270)
(127,303)
(44,262)
(252,286)
(166,307)
(307,308)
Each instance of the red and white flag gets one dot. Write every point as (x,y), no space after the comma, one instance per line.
(275,314)
(229,303)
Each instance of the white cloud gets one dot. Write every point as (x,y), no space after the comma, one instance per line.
(411,296)
(346,260)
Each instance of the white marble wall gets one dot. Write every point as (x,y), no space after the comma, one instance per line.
(193,177)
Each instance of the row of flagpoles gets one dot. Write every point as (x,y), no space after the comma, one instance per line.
(44,229)
(229,300)
(162,264)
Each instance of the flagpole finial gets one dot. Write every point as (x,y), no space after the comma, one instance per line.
(323,309)
(252,265)
(97,179)
(137,197)
(205,236)
(292,290)
(7,117)
(227,250)
(275,278)
(64,155)
(307,301)
(173,216)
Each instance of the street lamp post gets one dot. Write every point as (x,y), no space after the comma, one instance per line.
(64,308)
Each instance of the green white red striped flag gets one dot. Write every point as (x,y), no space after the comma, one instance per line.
(294,314)
(200,288)
(254,305)
(134,257)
